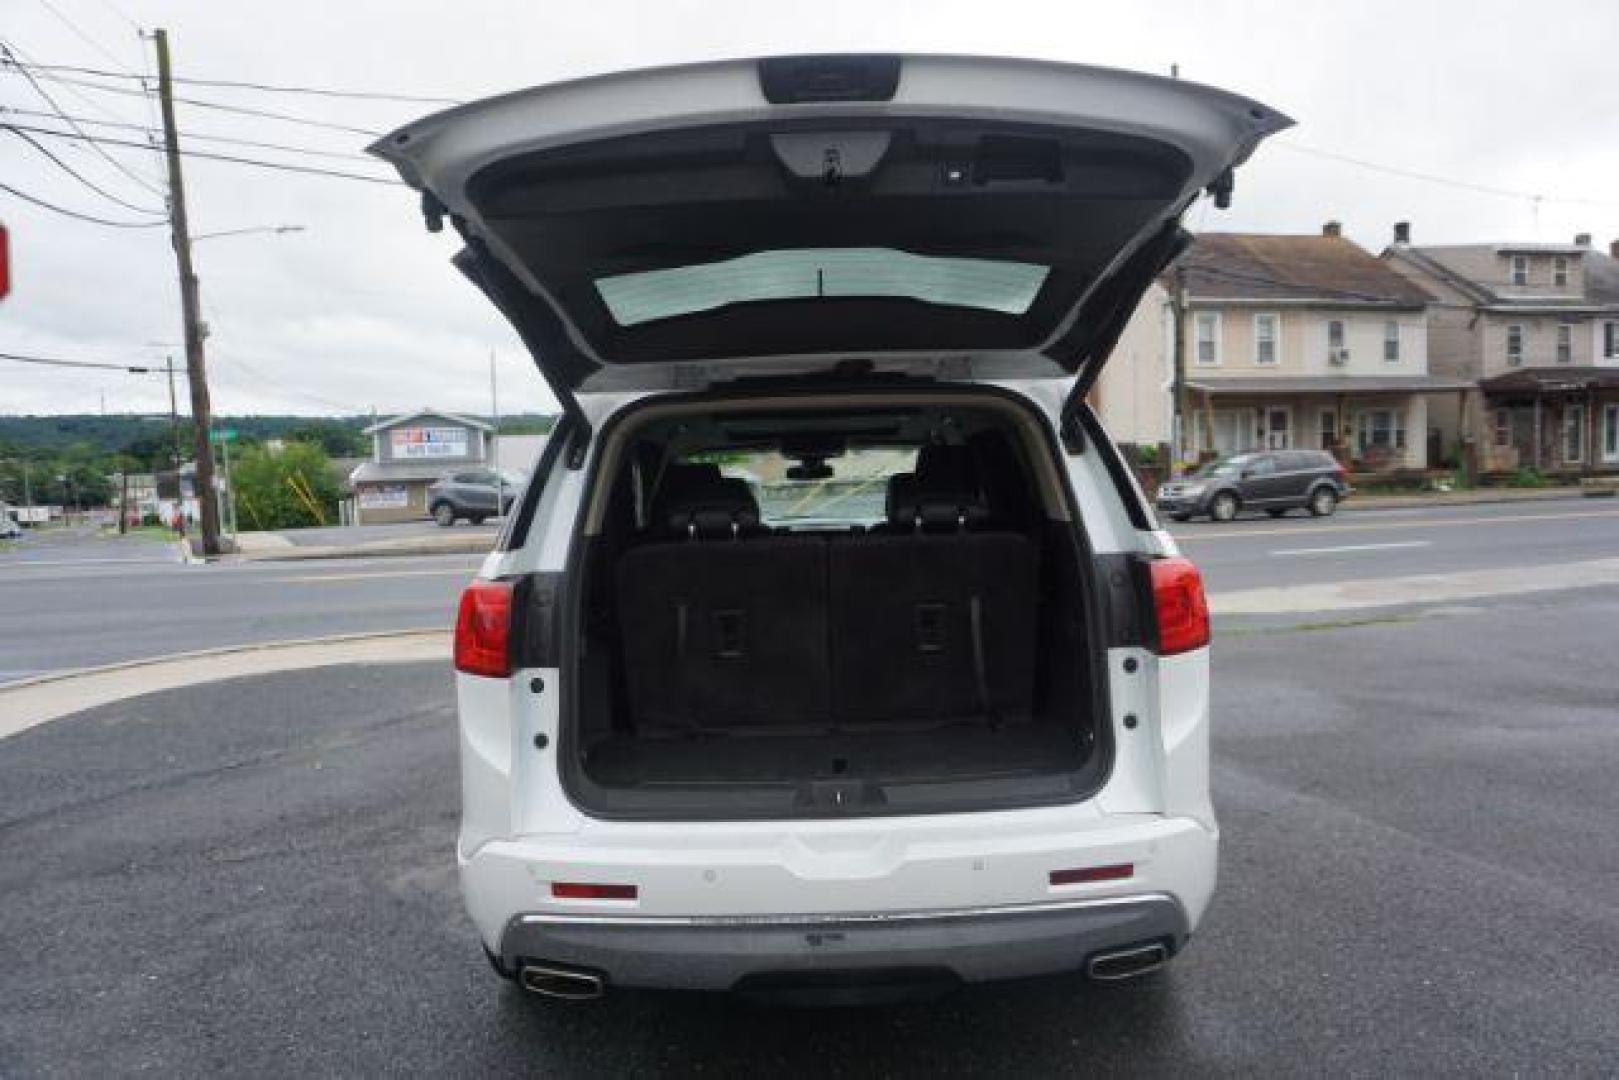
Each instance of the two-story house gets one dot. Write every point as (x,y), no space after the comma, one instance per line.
(1537,327)
(1306,341)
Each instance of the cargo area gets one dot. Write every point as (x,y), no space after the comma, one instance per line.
(868,609)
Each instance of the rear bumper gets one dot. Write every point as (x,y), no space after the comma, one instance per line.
(731,952)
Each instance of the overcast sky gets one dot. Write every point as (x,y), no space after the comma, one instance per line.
(362,310)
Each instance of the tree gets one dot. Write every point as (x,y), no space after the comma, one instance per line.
(292,488)
(337,438)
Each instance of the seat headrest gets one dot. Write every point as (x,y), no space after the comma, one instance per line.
(942,494)
(720,507)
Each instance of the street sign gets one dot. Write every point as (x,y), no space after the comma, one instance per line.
(224,435)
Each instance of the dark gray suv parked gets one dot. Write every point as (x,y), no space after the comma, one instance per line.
(472,494)
(1275,481)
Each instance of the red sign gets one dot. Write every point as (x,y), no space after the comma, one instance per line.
(5,262)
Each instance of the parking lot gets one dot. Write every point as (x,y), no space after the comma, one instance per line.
(1418,873)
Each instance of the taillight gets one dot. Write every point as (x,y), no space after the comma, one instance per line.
(1181,608)
(483,628)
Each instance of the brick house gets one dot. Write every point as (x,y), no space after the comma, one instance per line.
(1536,326)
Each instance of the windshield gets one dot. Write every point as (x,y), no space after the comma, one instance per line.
(1231,466)
(855,494)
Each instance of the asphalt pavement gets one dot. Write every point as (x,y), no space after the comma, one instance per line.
(1418,876)
(75,601)
(1261,551)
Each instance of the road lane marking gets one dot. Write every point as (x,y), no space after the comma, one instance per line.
(1444,523)
(464,572)
(1353,547)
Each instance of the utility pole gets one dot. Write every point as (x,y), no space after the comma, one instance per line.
(190,306)
(494,436)
(1177,307)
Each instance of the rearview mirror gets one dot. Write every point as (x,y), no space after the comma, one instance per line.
(810,470)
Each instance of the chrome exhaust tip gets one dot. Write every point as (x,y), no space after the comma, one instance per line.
(1116,964)
(563,983)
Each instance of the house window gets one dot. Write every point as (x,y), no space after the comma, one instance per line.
(1391,341)
(1328,429)
(1336,353)
(1573,434)
(1514,345)
(1381,428)
(1503,427)
(1610,434)
(1520,269)
(1565,343)
(1208,337)
(1560,270)
(1265,339)
(1610,341)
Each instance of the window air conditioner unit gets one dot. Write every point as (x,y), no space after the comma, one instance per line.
(1338,357)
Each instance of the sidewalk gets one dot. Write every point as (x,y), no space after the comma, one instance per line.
(270,547)
(1474,497)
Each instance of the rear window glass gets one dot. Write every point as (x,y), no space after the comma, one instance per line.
(810,273)
(855,494)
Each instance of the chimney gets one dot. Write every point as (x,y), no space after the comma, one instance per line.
(1402,232)
(1332,228)
(1582,239)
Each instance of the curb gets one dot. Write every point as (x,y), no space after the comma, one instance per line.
(1404,502)
(203,654)
(362,552)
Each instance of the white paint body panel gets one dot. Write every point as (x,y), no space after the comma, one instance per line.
(519,831)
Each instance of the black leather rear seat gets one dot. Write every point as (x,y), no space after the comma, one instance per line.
(929,618)
(723,624)
(933,616)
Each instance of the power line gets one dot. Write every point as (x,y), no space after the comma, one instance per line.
(6,52)
(65,167)
(200,103)
(1430,178)
(205,155)
(37,201)
(192,136)
(273,88)
(81,35)
(57,361)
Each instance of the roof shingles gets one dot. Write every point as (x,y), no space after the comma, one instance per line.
(1328,269)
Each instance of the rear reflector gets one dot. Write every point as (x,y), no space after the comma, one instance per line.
(583,890)
(483,628)
(1181,608)
(1085,874)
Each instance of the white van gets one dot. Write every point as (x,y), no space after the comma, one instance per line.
(831,649)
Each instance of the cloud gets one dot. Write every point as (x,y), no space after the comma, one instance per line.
(362,310)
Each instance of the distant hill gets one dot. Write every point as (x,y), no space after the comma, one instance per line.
(115,433)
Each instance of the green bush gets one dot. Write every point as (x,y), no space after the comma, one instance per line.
(1526,477)
(290,489)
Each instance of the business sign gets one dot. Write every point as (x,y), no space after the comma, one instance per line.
(429,442)
(387,497)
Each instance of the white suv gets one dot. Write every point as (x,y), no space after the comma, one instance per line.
(831,649)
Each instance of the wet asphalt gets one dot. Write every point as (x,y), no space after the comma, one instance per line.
(1419,875)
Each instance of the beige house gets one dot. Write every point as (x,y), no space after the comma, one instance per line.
(1134,394)
(1536,326)
(1307,342)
